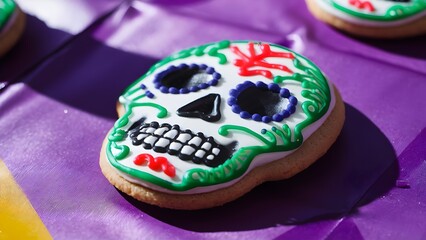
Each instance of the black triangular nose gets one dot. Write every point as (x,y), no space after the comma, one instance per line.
(206,108)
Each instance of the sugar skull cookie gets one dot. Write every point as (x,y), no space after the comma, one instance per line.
(373,18)
(206,125)
(12,22)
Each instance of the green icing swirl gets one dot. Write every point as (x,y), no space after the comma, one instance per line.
(398,11)
(318,98)
(117,134)
(6,9)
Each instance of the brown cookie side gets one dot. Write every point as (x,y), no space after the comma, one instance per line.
(311,150)
(414,28)
(12,31)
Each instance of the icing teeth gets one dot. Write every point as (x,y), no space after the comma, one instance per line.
(149,141)
(141,136)
(175,146)
(160,131)
(150,130)
(200,153)
(181,143)
(215,151)
(171,134)
(206,146)
(186,152)
(184,137)
(196,141)
(161,144)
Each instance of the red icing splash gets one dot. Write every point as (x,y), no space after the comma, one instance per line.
(362,5)
(156,164)
(246,62)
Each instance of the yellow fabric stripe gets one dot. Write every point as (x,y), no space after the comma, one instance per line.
(18,219)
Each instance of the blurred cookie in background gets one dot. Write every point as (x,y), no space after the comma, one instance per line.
(12,23)
(373,18)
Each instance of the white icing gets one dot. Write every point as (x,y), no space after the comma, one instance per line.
(140,136)
(150,130)
(380,9)
(206,146)
(184,137)
(162,142)
(196,141)
(150,140)
(171,134)
(230,79)
(175,146)
(187,150)
(215,151)
(160,131)
(200,153)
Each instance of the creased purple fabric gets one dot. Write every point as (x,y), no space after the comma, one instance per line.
(54,119)
(49,26)
(68,16)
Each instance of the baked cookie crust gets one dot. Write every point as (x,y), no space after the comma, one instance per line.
(310,151)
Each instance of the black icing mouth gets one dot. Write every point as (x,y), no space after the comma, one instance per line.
(184,144)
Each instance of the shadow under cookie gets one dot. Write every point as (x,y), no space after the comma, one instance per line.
(329,189)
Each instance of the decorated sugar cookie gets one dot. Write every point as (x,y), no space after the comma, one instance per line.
(206,125)
(373,18)
(12,22)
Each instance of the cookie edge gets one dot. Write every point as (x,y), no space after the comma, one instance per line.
(311,150)
(410,29)
(12,32)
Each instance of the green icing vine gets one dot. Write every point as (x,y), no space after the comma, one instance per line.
(396,12)
(316,91)
(224,130)
(6,9)
(117,134)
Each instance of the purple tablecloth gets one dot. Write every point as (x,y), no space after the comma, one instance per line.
(66,73)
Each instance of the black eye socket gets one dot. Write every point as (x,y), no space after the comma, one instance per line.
(185,78)
(261,102)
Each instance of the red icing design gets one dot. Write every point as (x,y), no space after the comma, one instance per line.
(253,60)
(156,164)
(362,5)
(141,159)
